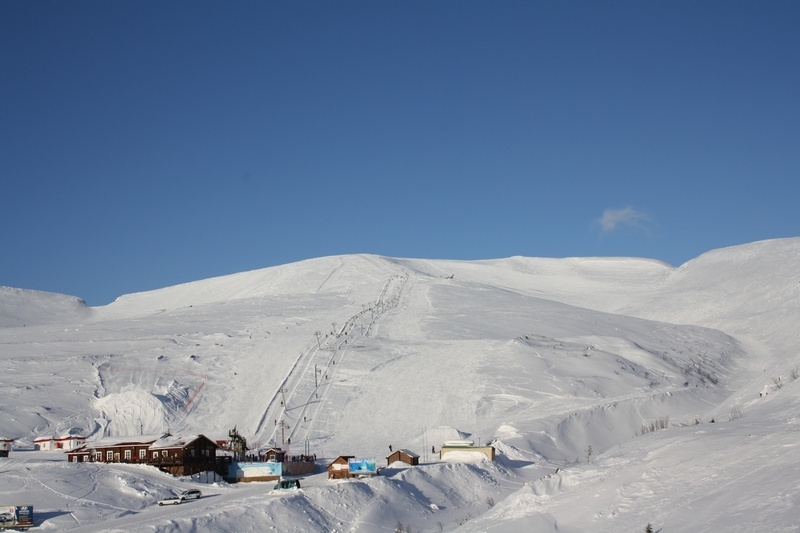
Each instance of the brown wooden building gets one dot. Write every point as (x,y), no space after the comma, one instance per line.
(183,456)
(113,450)
(179,456)
(340,467)
(274,454)
(404,456)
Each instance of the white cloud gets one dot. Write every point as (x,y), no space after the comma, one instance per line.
(613,219)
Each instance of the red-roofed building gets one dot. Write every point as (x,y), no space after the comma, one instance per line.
(67,442)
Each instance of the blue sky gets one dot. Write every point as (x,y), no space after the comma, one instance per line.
(146,144)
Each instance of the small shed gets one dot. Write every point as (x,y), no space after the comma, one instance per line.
(340,467)
(403,456)
(5,446)
(274,454)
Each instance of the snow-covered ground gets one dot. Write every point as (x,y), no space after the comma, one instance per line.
(618,393)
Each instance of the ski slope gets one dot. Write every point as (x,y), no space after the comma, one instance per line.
(617,391)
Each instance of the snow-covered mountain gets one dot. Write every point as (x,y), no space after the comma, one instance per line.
(618,392)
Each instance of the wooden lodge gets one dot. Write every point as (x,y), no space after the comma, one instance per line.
(184,456)
(404,456)
(179,456)
(112,450)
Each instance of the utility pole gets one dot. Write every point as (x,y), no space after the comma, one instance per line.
(316,371)
(284,427)
(424,445)
(283,395)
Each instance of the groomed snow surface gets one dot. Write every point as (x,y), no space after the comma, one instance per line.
(617,393)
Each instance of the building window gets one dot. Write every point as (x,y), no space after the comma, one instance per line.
(142,454)
(127,455)
(98,456)
(110,456)
(155,455)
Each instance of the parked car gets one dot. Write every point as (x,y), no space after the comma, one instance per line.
(288,484)
(7,518)
(192,494)
(170,500)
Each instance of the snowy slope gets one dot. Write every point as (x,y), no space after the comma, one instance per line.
(20,307)
(570,364)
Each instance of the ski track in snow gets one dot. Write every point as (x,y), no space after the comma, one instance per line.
(304,397)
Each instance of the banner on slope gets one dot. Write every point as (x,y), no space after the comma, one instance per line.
(16,516)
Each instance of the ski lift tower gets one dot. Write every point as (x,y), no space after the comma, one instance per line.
(238,444)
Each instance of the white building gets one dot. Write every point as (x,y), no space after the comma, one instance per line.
(68,442)
(43,443)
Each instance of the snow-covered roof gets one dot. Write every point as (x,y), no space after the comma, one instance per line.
(175,441)
(80,449)
(341,458)
(407,452)
(463,442)
(123,440)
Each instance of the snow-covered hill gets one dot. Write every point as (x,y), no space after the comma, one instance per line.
(617,391)
(20,307)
